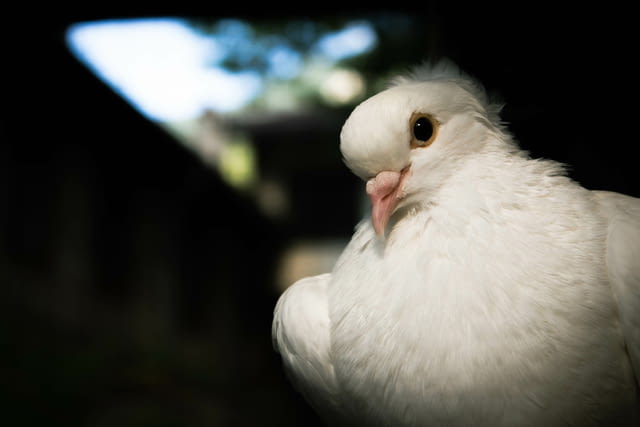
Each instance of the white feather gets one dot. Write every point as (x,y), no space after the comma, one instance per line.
(622,214)
(300,332)
(504,294)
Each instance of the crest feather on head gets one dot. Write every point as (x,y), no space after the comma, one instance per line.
(444,70)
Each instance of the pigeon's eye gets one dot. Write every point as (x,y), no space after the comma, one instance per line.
(423,130)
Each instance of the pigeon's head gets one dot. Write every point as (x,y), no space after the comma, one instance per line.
(406,141)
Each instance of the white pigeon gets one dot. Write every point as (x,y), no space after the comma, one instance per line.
(488,288)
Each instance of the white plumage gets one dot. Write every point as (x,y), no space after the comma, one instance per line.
(488,289)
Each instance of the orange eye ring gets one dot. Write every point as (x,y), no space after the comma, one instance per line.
(423,128)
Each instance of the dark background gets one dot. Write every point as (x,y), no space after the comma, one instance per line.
(137,288)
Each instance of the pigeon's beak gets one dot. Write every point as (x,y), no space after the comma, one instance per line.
(385,191)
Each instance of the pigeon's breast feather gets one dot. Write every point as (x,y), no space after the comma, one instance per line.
(441,311)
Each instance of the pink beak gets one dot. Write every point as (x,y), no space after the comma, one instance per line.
(385,191)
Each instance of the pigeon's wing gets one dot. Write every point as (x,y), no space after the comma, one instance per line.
(623,262)
(301,334)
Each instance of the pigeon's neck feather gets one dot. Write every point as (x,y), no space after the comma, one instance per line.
(497,186)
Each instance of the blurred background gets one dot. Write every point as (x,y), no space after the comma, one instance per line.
(166,173)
